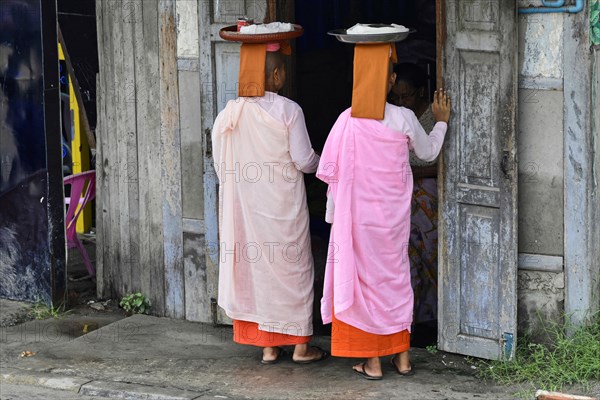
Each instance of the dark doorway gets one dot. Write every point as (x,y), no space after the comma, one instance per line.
(32,242)
(323,87)
(78,39)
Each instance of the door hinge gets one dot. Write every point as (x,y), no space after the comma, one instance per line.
(507,345)
(208,142)
(213,310)
(504,167)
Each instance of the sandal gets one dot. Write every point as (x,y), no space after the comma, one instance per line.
(410,372)
(280,353)
(365,375)
(323,356)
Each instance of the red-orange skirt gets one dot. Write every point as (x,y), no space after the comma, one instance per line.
(348,341)
(245,332)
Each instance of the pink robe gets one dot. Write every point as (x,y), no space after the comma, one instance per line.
(367,277)
(266,264)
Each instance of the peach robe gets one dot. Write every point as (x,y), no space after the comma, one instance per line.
(266,264)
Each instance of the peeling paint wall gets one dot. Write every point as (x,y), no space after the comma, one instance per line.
(540,302)
(540,45)
(187,28)
(541,279)
(540,147)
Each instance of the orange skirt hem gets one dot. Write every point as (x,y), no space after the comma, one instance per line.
(246,332)
(349,341)
(368,354)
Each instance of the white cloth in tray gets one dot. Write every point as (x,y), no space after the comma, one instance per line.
(362,29)
(273,27)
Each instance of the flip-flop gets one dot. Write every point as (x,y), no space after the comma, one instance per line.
(281,353)
(365,375)
(410,372)
(324,355)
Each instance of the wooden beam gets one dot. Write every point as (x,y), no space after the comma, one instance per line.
(271,14)
(284,11)
(151,202)
(170,135)
(544,395)
(580,260)
(100,181)
(440,40)
(77,89)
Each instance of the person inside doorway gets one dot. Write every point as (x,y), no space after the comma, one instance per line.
(368,296)
(410,91)
(261,150)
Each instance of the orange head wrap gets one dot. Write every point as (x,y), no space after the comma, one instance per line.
(252,66)
(371,73)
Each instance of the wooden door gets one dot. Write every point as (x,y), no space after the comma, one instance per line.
(478,192)
(219,67)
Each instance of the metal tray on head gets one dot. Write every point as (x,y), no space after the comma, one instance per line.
(343,36)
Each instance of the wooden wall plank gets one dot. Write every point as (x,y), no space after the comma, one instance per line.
(153,154)
(197,302)
(121,269)
(580,256)
(208,88)
(110,164)
(192,160)
(142,272)
(108,83)
(128,144)
(595,267)
(170,161)
(100,189)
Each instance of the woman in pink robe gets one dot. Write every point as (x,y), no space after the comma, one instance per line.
(367,291)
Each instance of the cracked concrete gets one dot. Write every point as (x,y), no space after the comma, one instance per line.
(145,357)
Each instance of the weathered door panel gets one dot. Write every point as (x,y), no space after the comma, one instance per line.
(478,194)
(219,66)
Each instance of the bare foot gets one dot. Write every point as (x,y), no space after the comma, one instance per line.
(372,367)
(305,354)
(271,354)
(401,363)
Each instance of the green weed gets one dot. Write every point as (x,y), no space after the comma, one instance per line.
(39,310)
(431,349)
(136,303)
(570,360)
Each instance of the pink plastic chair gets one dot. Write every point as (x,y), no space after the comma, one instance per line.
(79,182)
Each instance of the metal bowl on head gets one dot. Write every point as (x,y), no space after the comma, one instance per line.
(343,36)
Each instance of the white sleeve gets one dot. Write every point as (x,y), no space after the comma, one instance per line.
(301,151)
(426,147)
(330,208)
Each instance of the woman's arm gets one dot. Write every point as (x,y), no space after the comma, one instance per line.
(301,151)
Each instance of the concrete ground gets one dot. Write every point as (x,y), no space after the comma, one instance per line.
(9,391)
(145,357)
(95,350)
(13,312)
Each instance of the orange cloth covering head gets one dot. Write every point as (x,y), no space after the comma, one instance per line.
(371,72)
(252,66)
